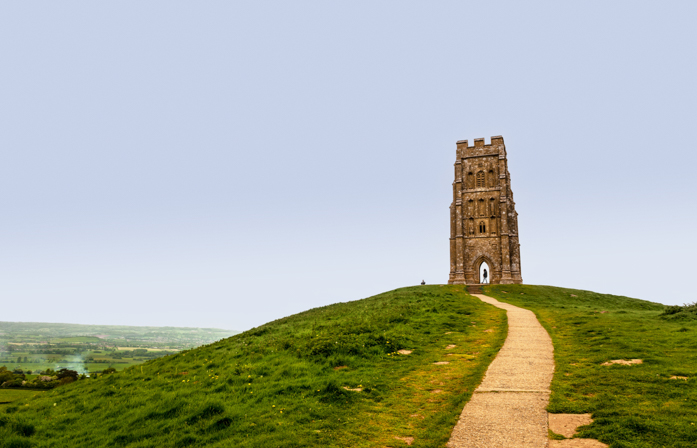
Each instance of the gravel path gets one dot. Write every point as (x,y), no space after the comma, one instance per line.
(508,408)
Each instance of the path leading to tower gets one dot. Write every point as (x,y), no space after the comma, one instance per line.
(508,408)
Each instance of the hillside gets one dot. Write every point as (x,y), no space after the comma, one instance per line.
(652,404)
(331,376)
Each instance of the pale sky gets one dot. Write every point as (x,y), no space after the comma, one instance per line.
(224,164)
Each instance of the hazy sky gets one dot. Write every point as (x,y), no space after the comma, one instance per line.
(229,163)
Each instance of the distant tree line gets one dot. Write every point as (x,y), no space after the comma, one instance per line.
(47,379)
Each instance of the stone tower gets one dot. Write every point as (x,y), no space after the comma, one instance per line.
(483,220)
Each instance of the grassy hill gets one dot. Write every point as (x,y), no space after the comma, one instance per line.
(328,377)
(653,404)
(333,377)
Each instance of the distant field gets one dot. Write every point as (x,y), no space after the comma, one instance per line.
(31,346)
(76,339)
(10,395)
(41,362)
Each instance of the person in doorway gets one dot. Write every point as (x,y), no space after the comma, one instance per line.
(485,275)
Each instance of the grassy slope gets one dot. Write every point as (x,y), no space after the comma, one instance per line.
(281,384)
(633,406)
(9,395)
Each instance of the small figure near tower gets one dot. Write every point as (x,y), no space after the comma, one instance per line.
(483,220)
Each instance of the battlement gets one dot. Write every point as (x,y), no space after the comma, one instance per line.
(496,140)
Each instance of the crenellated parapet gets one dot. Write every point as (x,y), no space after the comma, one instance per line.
(481,148)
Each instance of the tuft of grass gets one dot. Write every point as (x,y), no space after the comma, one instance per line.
(554,436)
(276,385)
(676,312)
(636,405)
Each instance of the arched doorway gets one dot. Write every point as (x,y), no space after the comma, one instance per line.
(484,272)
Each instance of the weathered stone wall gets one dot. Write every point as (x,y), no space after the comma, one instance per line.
(483,220)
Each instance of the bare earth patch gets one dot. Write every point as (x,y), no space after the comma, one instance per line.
(675,377)
(441,363)
(355,389)
(623,362)
(489,331)
(450,346)
(566,424)
(340,367)
(417,416)
(407,440)
(436,391)
(404,352)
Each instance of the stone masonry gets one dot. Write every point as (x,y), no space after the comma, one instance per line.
(483,220)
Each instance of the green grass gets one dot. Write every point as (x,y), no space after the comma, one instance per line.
(10,395)
(634,406)
(284,384)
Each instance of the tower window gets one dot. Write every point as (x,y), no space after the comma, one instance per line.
(482,227)
(481,179)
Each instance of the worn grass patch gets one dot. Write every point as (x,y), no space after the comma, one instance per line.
(634,405)
(285,384)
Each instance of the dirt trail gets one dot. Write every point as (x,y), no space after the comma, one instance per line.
(508,408)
